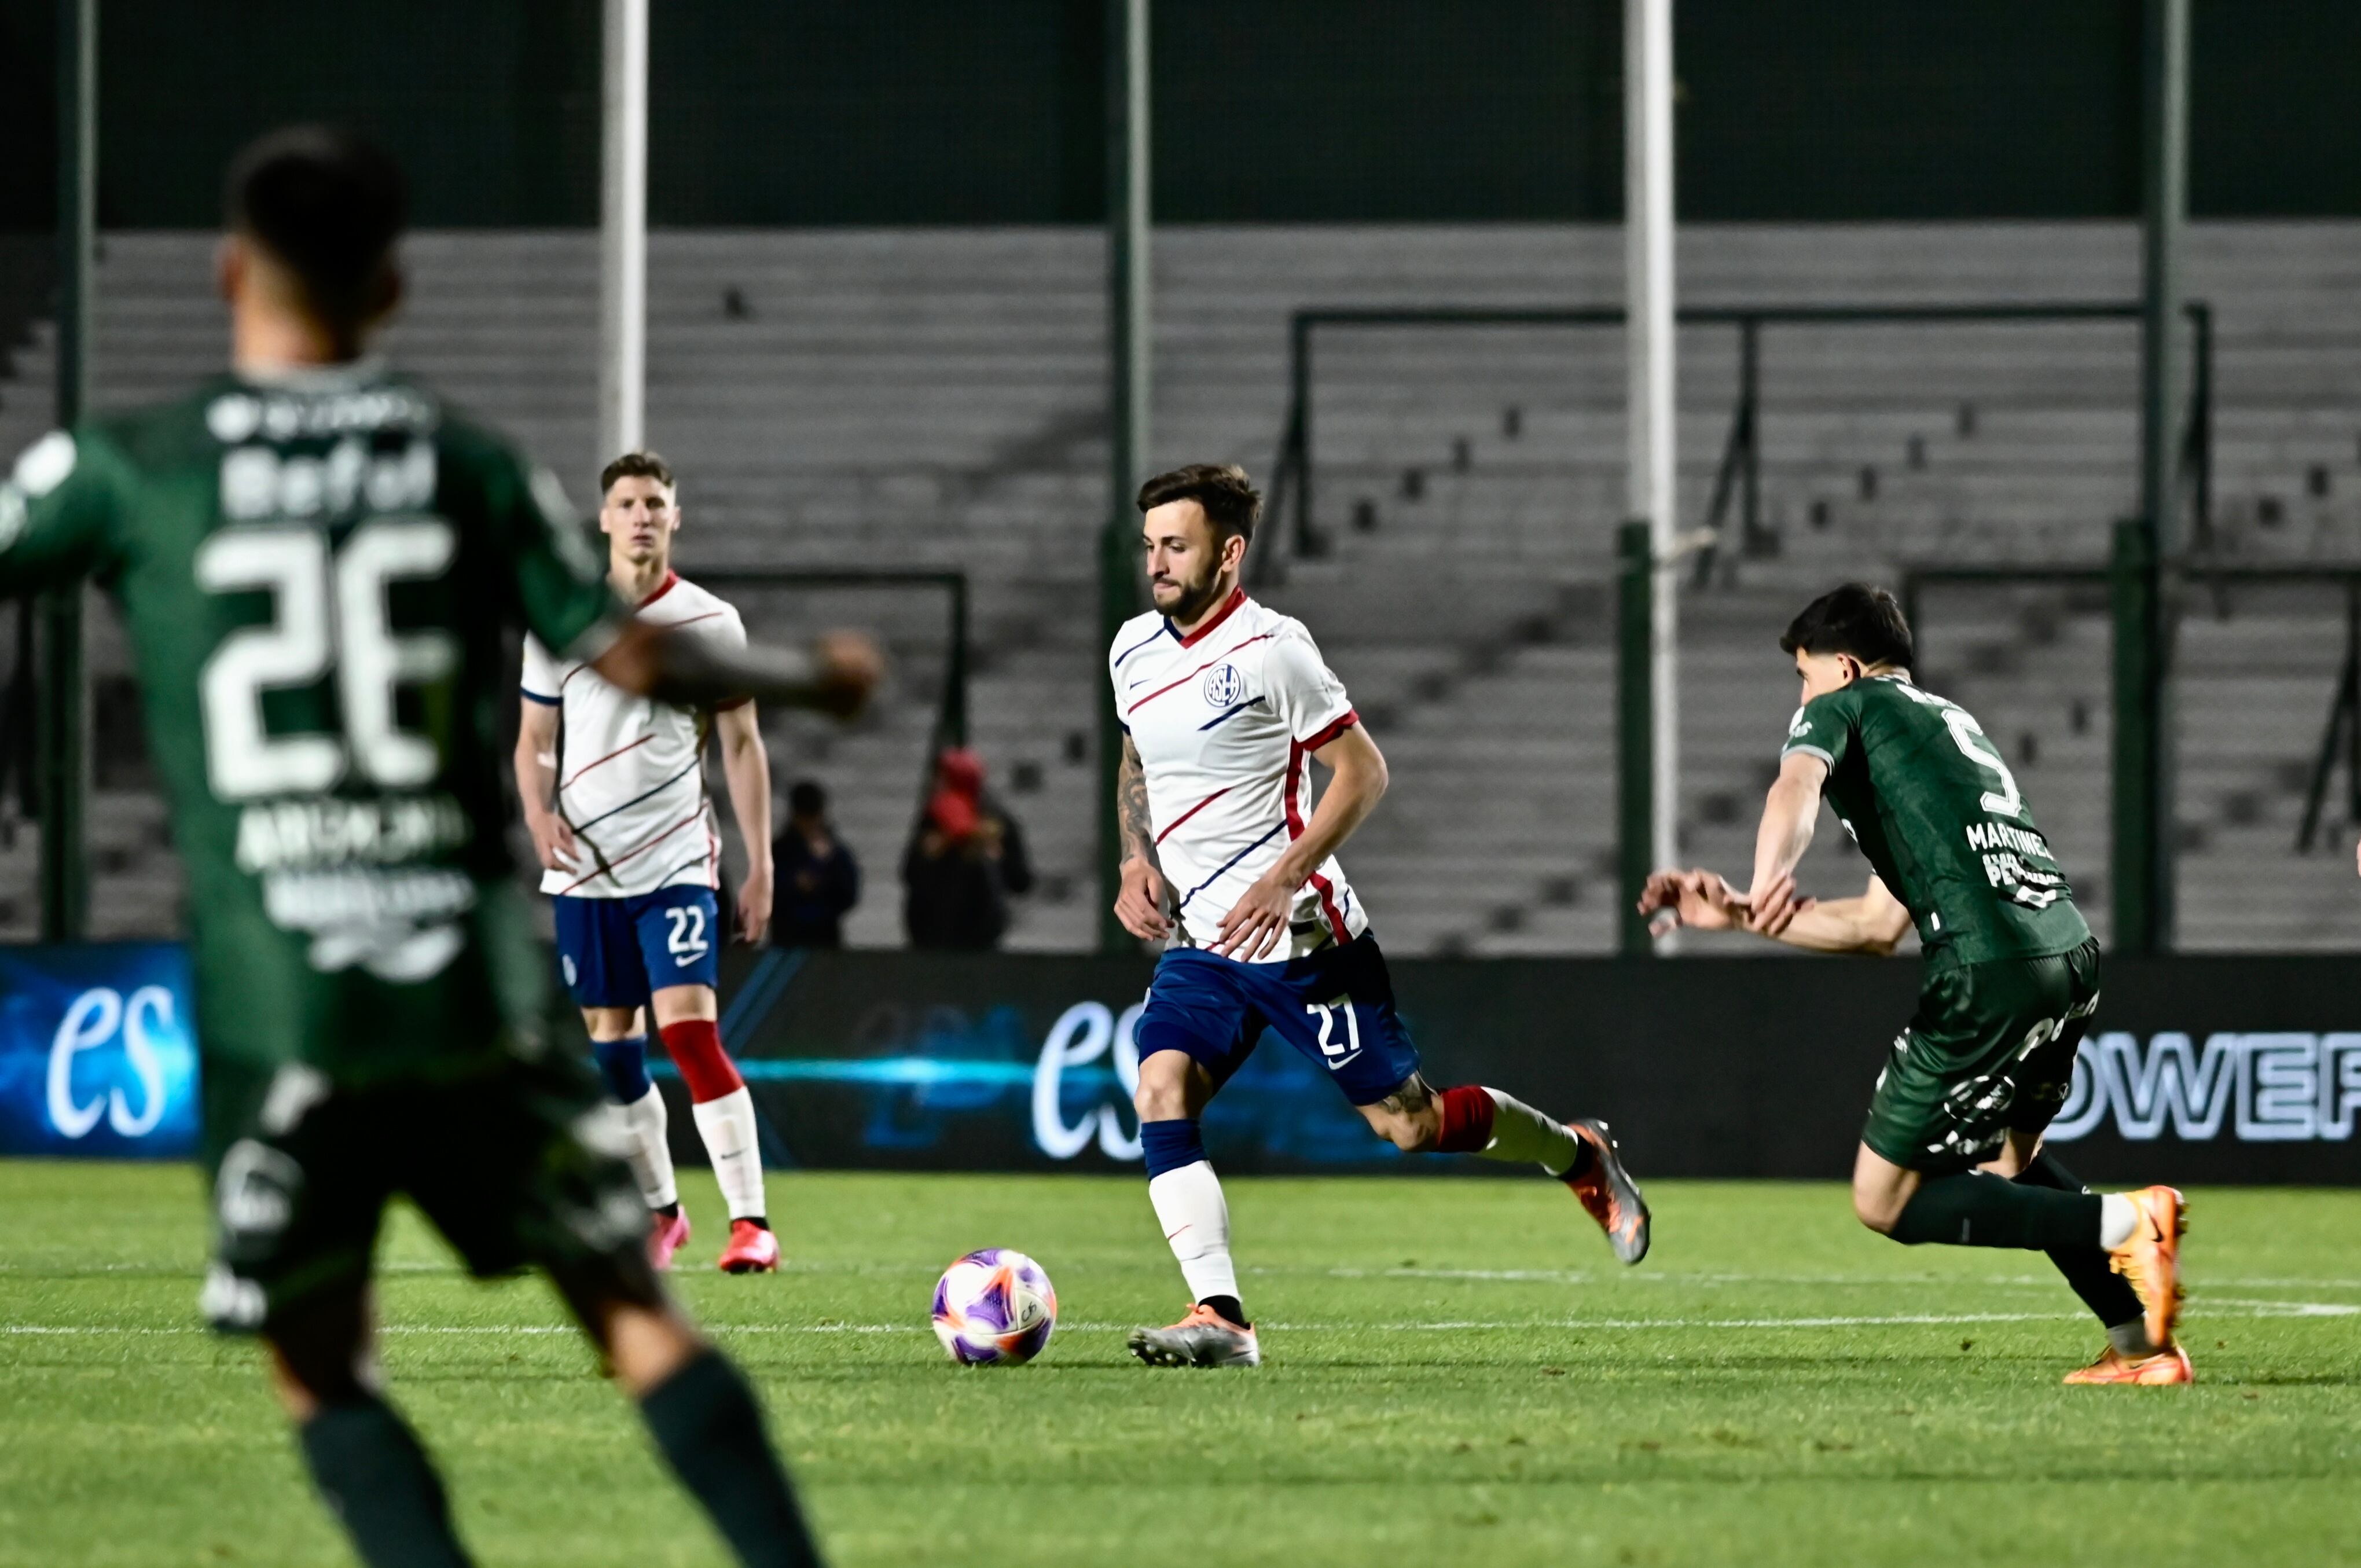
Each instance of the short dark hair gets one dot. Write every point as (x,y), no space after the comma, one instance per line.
(634,466)
(1854,618)
(807,799)
(1232,504)
(327,206)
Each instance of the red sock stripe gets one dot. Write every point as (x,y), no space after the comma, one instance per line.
(694,1046)
(1467,1119)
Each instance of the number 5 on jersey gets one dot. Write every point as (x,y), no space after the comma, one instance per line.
(324,612)
(1978,748)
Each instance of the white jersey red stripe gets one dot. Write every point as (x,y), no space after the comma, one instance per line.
(1225,720)
(630,772)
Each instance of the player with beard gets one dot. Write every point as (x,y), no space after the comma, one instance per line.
(1225,704)
(315,561)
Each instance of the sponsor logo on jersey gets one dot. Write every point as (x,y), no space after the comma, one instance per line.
(263,482)
(1224,685)
(401,926)
(326,831)
(286,416)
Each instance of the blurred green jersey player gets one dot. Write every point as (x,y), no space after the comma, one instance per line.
(1951,1152)
(317,560)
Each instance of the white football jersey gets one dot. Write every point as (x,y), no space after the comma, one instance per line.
(630,775)
(1225,720)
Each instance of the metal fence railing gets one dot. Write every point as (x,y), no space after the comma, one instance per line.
(1738,479)
(2340,738)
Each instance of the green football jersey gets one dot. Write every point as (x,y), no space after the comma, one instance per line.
(316,571)
(1935,809)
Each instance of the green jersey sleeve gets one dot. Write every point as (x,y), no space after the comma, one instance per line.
(1828,727)
(559,586)
(57,513)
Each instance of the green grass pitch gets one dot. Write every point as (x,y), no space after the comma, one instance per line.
(1458,1373)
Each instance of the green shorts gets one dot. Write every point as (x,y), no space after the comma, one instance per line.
(1990,1051)
(518,1163)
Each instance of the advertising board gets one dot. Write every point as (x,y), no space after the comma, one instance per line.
(97,1051)
(2198,1070)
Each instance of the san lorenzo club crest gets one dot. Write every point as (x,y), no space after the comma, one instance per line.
(1224,685)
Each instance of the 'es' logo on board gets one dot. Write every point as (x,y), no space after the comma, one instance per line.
(1224,685)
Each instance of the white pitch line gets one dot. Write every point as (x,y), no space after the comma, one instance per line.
(1670,1277)
(2253,1309)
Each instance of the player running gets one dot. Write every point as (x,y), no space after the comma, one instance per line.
(315,560)
(1952,1150)
(613,786)
(1226,704)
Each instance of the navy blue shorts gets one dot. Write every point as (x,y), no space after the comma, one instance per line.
(1335,1006)
(614,952)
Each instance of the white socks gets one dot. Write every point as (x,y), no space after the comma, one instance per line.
(2117,1220)
(736,1149)
(1196,1221)
(650,1155)
(1521,1134)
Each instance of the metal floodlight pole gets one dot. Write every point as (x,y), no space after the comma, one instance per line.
(1649,813)
(63,722)
(624,228)
(2149,544)
(1129,319)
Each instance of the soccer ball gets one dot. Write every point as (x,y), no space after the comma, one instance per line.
(995,1305)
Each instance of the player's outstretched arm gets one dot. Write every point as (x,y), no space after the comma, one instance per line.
(836,676)
(1696,898)
(1789,813)
(1258,921)
(1875,923)
(1139,900)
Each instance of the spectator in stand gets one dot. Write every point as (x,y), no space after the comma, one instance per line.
(966,858)
(817,879)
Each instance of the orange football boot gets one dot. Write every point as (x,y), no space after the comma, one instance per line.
(2150,1258)
(2168,1365)
(1607,1191)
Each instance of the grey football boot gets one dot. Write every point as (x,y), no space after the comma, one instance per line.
(1204,1338)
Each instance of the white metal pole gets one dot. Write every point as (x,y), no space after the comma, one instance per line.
(1130,343)
(623,229)
(1134,318)
(1653,365)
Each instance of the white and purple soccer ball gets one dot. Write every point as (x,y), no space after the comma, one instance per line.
(995,1306)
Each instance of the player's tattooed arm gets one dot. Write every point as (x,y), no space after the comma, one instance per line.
(1131,797)
(1139,902)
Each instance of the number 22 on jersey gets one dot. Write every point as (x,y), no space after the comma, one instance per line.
(327,610)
